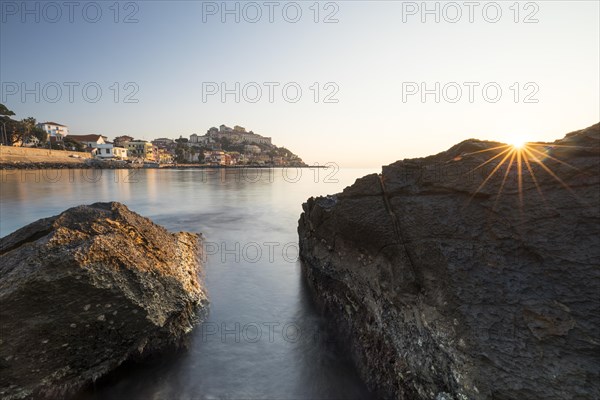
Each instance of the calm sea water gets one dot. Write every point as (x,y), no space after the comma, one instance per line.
(263,338)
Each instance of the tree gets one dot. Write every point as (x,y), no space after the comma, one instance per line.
(40,134)
(180,153)
(200,152)
(27,125)
(72,144)
(225,143)
(4,111)
(6,123)
(12,131)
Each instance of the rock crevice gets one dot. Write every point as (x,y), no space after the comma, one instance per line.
(456,276)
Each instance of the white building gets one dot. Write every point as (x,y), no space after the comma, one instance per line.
(106,151)
(252,148)
(31,141)
(103,151)
(54,129)
(224,128)
(89,140)
(236,135)
(197,139)
(254,138)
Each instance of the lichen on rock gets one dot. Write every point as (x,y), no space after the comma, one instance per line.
(83,291)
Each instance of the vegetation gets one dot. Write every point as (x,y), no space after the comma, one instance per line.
(185,153)
(4,111)
(26,133)
(71,144)
(18,132)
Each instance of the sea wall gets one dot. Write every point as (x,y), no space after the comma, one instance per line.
(10,154)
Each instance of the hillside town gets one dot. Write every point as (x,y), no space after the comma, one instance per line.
(223,146)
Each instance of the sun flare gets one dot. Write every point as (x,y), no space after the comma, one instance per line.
(517,143)
(520,156)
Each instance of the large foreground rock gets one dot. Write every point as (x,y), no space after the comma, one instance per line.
(449,288)
(83,291)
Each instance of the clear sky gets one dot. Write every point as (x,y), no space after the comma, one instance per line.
(377,58)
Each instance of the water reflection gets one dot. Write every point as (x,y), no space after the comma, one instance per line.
(263,338)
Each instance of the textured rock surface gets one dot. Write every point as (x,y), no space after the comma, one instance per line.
(83,291)
(448,290)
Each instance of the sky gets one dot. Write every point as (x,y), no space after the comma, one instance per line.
(356,83)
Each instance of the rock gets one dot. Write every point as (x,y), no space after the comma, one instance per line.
(84,291)
(447,284)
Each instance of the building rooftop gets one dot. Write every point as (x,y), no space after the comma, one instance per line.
(87,138)
(53,123)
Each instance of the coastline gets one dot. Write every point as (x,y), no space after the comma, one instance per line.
(120,165)
(25,158)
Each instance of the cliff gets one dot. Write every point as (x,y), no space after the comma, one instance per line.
(458,277)
(83,291)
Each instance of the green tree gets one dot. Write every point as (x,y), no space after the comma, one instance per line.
(180,153)
(225,143)
(199,150)
(71,144)
(40,134)
(12,131)
(27,126)
(4,111)
(6,125)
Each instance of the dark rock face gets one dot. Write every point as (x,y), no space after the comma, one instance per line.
(83,291)
(449,288)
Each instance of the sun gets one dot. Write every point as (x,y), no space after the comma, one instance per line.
(517,143)
(523,156)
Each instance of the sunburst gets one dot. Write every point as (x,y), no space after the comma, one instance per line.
(522,156)
(517,143)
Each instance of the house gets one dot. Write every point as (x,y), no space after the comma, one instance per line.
(237,135)
(89,140)
(107,151)
(103,151)
(31,141)
(252,148)
(235,157)
(224,128)
(141,149)
(54,129)
(220,157)
(216,157)
(252,137)
(163,142)
(121,141)
(197,139)
(120,153)
(164,156)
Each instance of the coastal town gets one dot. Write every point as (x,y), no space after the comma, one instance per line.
(223,146)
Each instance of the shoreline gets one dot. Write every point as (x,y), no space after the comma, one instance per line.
(25,158)
(111,165)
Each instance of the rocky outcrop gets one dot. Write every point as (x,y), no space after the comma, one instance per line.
(456,277)
(83,291)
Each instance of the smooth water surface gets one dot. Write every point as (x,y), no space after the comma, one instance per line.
(263,338)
